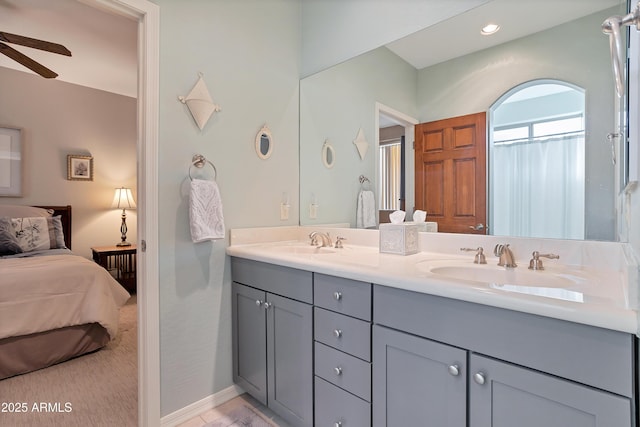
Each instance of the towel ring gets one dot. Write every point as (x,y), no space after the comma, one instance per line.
(200,161)
(365,184)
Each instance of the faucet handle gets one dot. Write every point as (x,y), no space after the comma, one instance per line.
(536,262)
(339,242)
(479,258)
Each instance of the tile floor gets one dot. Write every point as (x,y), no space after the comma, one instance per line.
(227,415)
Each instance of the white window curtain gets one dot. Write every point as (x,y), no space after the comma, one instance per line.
(390,175)
(538,187)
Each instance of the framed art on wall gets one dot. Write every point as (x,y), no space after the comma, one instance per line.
(79,168)
(10,161)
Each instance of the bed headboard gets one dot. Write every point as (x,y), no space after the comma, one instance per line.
(65,217)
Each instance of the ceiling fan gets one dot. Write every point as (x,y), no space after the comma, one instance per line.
(33,43)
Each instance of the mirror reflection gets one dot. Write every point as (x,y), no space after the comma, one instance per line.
(264,143)
(537,153)
(328,155)
(360,93)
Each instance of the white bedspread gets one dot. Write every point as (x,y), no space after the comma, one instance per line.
(48,292)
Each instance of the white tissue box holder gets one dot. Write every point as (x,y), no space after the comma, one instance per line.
(401,239)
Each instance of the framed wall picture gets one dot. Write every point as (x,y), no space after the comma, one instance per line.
(10,161)
(79,168)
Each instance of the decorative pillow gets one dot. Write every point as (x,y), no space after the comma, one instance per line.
(8,242)
(38,233)
(55,226)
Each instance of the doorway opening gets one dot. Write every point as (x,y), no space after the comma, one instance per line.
(394,162)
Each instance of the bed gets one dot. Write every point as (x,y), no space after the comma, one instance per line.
(54,304)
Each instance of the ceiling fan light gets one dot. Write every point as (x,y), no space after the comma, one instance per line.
(489,29)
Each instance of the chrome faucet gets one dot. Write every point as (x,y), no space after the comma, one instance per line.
(507,259)
(325,239)
(536,262)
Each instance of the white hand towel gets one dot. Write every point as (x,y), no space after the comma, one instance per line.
(366,210)
(205,211)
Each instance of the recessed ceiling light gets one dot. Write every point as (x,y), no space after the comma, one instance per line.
(489,29)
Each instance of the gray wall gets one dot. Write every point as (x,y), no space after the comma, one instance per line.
(248,52)
(57,119)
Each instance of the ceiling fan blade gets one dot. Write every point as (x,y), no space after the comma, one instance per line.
(34,43)
(27,62)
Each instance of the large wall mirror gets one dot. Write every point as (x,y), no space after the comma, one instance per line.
(360,92)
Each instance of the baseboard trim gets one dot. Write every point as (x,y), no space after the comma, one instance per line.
(203,405)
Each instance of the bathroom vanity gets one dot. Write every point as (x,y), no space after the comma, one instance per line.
(357,338)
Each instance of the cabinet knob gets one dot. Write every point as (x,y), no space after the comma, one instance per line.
(338,370)
(479,378)
(267,305)
(337,333)
(454,370)
(337,296)
(337,424)
(258,302)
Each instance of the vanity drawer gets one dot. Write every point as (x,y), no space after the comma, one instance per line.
(334,405)
(345,371)
(289,282)
(344,296)
(345,333)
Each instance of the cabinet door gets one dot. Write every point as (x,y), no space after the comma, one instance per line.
(290,359)
(417,382)
(505,395)
(249,341)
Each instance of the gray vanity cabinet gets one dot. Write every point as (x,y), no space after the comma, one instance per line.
(435,357)
(342,331)
(502,394)
(250,340)
(417,382)
(273,338)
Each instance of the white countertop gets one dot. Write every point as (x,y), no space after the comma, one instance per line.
(602,299)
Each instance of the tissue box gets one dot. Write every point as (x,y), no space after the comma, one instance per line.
(425,227)
(401,239)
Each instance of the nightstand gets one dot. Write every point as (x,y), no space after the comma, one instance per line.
(120,261)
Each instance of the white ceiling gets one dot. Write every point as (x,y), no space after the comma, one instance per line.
(460,35)
(104,45)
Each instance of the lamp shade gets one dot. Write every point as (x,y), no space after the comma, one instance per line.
(123,199)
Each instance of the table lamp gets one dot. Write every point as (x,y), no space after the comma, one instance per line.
(123,199)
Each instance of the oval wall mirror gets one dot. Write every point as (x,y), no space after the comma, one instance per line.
(328,155)
(264,143)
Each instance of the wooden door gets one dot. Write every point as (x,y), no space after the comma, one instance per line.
(450,163)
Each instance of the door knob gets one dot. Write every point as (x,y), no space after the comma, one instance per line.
(477,227)
(479,378)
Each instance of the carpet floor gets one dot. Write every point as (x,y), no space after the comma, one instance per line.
(95,390)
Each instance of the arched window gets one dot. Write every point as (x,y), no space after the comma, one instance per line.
(537,161)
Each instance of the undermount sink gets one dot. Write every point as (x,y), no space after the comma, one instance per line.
(304,249)
(495,275)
